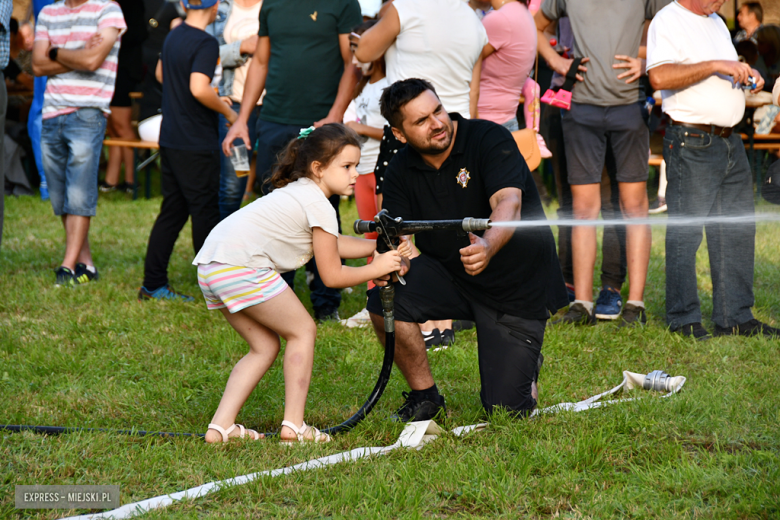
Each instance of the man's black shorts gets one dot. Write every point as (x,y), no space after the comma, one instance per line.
(508,346)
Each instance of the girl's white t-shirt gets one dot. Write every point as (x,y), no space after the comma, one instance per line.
(366,107)
(275,231)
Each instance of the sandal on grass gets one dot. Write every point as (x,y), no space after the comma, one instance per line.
(316,435)
(242,432)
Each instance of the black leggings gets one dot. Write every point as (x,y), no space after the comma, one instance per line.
(190,188)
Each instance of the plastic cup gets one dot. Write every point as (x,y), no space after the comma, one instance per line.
(240,160)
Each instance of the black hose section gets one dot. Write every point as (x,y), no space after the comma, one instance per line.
(376,393)
(56,430)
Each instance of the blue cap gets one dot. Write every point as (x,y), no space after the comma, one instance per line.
(199,4)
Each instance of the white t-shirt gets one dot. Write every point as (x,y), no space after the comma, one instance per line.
(677,35)
(440,41)
(365,110)
(273,232)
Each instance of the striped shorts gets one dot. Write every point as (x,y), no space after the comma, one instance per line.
(236,288)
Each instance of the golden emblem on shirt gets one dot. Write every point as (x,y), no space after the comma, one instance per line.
(463,177)
(314,16)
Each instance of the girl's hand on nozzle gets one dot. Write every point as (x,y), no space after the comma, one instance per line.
(389,262)
(405,247)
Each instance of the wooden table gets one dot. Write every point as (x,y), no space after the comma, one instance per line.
(137,144)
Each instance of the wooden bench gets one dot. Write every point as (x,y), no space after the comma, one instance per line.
(655,160)
(136,145)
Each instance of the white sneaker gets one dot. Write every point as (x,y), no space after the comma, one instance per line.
(361,319)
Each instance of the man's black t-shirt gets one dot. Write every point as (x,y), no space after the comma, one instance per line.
(186,123)
(524,278)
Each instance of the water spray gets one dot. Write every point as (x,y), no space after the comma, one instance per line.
(648,221)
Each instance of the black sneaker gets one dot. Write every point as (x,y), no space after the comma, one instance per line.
(84,275)
(447,337)
(694,330)
(64,277)
(125,187)
(106,187)
(432,338)
(633,316)
(419,409)
(578,315)
(462,325)
(749,328)
(326,315)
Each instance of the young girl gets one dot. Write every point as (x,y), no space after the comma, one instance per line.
(240,262)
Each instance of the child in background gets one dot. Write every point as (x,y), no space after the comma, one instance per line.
(363,116)
(240,262)
(189,144)
(369,125)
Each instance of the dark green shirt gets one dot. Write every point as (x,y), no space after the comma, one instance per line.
(306,64)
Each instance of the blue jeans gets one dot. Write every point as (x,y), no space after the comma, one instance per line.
(232,188)
(512,125)
(708,176)
(70,148)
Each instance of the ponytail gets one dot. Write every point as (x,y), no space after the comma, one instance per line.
(322,145)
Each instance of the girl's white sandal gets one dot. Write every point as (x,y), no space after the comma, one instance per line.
(242,432)
(316,435)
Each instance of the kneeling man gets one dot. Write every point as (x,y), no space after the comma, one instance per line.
(506,280)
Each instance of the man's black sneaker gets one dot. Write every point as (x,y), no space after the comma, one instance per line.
(84,275)
(326,315)
(694,330)
(462,325)
(64,277)
(432,338)
(633,316)
(749,328)
(578,315)
(447,337)
(419,408)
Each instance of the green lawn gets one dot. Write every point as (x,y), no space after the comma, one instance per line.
(94,356)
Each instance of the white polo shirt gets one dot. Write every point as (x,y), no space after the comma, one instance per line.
(440,41)
(677,35)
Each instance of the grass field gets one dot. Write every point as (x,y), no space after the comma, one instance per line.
(94,356)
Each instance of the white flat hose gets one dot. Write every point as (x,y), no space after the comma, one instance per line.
(415,435)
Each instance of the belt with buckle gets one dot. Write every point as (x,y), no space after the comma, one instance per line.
(719,131)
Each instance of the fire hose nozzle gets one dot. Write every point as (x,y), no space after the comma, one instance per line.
(475,224)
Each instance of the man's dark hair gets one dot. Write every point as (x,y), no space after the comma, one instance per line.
(399,94)
(13,27)
(756,9)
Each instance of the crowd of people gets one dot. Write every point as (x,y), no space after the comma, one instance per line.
(414,107)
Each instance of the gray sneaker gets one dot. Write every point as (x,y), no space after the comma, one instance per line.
(633,316)
(578,315)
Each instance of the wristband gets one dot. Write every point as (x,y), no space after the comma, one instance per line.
(53,53)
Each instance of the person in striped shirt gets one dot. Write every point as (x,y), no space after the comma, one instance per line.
(76,46)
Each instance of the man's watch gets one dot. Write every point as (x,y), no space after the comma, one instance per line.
(53,53)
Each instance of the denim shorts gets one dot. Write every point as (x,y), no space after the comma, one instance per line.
(70,147)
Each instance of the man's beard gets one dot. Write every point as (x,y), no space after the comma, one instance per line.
(429,147)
